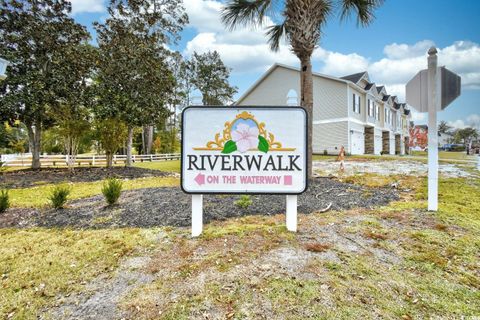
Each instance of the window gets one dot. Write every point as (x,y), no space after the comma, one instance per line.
(388,115)
(377,112)
(370,108)
(356,103)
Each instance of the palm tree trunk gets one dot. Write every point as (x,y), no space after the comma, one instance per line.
(306,88)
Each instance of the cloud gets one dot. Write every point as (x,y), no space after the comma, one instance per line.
(245,50)
(472,120)
(338,64)
(457,124)
(418,117)
(402,51)
(204,16)
(79,6)
(240,57)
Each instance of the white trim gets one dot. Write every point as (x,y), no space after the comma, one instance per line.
(356,130)
(339,120)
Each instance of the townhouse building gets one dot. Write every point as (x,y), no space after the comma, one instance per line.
(350,111)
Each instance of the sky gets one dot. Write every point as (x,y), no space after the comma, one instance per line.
(392,48)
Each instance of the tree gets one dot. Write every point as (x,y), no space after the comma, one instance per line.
(134,80)
(111,134)
(443,127)
(38,55)
(73,115)
(466,136)
(301,22)
(210,77)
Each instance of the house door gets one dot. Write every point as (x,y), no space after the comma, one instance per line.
(358,142)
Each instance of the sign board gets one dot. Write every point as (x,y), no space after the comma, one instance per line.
(244,150)
(417,89)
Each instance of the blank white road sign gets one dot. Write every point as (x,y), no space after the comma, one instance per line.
(244,150)
(417,89)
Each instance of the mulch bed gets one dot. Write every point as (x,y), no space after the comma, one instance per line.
(171,207)
(29,177)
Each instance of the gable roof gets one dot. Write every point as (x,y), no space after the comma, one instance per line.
(273,68)
(355,78)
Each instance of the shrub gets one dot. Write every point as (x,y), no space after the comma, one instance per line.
(244,202)
(112,188)
(4,202)
(325,152)
(59,196)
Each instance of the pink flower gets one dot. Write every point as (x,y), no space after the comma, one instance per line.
(245,137)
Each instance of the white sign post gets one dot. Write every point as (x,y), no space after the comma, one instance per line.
(258,150)
(432,90)
(432,130)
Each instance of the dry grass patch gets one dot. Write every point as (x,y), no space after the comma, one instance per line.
(375,235)
(38,264)
(317,247)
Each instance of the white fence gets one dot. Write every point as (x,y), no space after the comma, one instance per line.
(91,160)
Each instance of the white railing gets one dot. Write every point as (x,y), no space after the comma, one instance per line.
(88,160)
(11,157)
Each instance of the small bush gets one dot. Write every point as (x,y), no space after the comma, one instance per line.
(59,196)
(4,202)
(112,188)
(325,152)
(244,202)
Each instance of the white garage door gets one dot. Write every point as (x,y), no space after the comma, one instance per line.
(358,143)
(378,144)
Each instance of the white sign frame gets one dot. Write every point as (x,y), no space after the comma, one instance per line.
(291,197)
(191,188)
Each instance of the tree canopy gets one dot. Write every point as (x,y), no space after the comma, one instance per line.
(41,56)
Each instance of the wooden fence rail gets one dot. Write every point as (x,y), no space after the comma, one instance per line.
(94,160)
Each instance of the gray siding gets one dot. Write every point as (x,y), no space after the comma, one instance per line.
(274,89)
(329,96)
(330,99)
(330,137)
(352,114)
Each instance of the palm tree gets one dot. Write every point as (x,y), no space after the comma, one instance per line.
(443,127)
(300,23)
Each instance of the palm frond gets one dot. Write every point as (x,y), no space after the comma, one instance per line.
(245,12)
(363,8)
(275,34)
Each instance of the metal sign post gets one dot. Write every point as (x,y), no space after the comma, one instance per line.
(432,90)
(432,130)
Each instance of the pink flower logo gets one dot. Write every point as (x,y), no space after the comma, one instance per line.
(245,137)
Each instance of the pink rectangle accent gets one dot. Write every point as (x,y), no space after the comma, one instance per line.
(287,180)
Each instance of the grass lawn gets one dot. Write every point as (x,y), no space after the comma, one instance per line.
(39,264)
(393,262)
(409,264)
(447,155)
(38,196)
(168,166)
